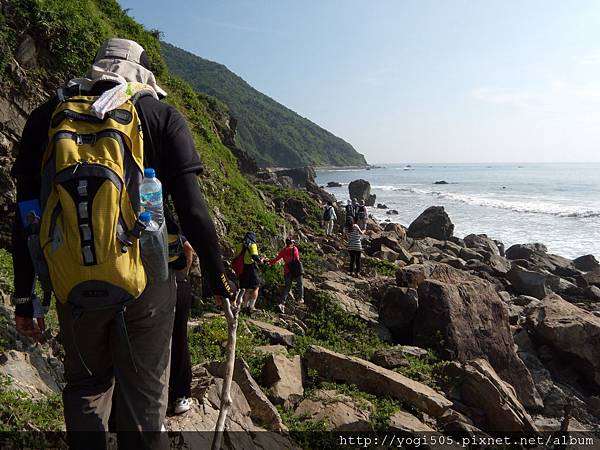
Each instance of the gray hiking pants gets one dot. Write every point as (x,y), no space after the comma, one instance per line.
(139,378)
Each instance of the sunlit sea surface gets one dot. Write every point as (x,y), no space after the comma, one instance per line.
(556,204)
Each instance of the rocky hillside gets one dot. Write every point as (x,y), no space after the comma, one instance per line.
(440,336)
(272,133)
(45,43)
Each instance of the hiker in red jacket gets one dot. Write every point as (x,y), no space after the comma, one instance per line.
(292,270)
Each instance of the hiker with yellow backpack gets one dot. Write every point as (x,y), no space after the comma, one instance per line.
(82,160)
(245,266)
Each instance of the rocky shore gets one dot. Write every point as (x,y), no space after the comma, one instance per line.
(461,336)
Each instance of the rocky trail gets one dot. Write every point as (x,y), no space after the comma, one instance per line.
(467,339)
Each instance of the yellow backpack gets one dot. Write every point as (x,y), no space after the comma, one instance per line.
(91,173)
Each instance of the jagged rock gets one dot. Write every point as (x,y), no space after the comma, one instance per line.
(334,184)
(29,372)
(386,254)
(397,310)
(297,209)
(338,411)
(433,222)
(275,334)
(462,317)
(397,229)
(500,266)
(592,292)
(531,283)
(355,306)
(392,212)
(468,254)
(524,300)
(481,241)
(26,54)
(570,330)
(360,190)
(593,277)
(484,389)
(261,409)
(441,182)
(525,251)
(374,379)
(271,349)
(300,175)
(382,206)
(284,377)
(389,358)
(385,240)
(404,422)
(586,263)
(411,276)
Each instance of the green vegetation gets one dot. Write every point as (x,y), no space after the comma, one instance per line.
(6,271)
(331,327)
(380,266)
(18,412)
(208,340)
(68,34)
(273,134)
(428,370)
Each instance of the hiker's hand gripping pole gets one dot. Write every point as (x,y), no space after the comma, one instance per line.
(232,311)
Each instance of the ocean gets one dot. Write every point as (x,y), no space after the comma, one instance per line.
(557,204)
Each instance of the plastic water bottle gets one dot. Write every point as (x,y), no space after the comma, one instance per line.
(151,197)
(154,248)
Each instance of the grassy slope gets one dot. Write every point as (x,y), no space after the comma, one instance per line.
(272,133)
(73,31)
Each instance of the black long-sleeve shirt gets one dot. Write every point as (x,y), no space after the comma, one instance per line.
(168,148)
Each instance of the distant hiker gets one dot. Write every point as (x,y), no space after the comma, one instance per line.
(115,317)
(349,219)
(246,267)
(180,379)
(354,233)
(329,218)
(362,215)
(292,270)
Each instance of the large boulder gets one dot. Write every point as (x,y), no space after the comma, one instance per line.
(261,409)
(586,263)
(534,284)
(573,332)
(433,222)
(284,378)
(373,379)
(481,241)
(337,411)
(361,190)
(397,311)
(300,175)
(463,317)
(483,389)
(297,209)
(275,334)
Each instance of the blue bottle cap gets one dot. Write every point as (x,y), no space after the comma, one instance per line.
(146,216)
(149,173)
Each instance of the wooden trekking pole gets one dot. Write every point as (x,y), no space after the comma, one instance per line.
(232,312)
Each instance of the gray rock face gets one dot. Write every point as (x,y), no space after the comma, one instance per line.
(275,334)
(481,241)
(570,330)
(339,412)
(484,389)
(411,276)
(261,409)
(433,222)
(284,376)
(300,176)
(586,263)
(463,317)
(359,189)
(531,283)
(397,310)
(376,380)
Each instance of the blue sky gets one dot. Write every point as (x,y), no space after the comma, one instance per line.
(413,81)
